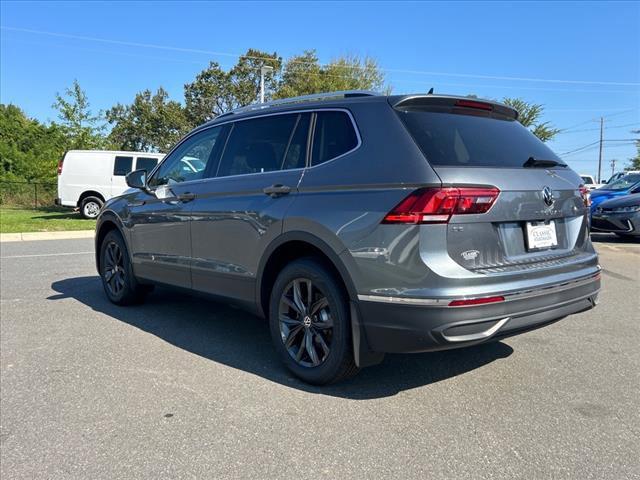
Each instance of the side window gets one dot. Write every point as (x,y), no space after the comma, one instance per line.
(296,154)
(189,160)
(258,145)
(334,135)
(122,166)
(146,163)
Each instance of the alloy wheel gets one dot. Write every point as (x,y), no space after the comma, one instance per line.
(306,324)
(113,269)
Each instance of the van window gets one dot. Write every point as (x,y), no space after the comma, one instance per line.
(146,163)
(122,165)
(334,135)
(257,145)
(189,161)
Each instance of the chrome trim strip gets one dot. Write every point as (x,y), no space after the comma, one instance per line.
(444,302)
(476,336)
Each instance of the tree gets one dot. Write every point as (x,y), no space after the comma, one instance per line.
(634,162)
(29,150)
(151,123)
(83,129)
(529,116)
(304,75)
(215,91)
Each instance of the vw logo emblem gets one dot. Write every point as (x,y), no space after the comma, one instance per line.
(547,196)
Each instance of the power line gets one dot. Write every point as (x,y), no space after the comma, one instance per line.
(228,54)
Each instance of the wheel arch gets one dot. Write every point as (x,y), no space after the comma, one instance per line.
(288,247)
(108,221)
(90,193)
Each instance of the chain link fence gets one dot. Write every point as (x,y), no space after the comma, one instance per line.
(27,194)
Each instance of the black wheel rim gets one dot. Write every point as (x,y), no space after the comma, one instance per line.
(113,269)
(306,323)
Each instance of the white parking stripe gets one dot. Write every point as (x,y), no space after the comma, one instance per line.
(46,255)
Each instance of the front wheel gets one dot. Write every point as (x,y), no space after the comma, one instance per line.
(309,323)
(116,273)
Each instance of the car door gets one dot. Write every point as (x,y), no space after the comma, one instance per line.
(240,211)
(158,220)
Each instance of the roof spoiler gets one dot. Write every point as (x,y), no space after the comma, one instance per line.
(442,102)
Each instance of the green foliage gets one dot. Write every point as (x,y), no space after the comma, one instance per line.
(304,75)
(151,123)
(29,150)
(83,129)
(634,162)
(215,91)
(529,116)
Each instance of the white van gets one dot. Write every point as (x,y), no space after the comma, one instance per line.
(88,178)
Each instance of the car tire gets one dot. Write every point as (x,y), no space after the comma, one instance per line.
(311,331)
(118,281)
(90,207)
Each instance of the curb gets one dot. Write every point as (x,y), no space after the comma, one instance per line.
(30,236)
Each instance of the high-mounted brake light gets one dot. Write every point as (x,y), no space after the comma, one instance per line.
(475,301)
(474,104)
(437,205)
(585,194)
(60,162)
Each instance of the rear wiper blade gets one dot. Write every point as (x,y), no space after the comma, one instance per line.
(534,162)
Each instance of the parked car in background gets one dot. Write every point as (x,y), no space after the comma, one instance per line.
(619,175)
(88,178)
(618,215)
(589,182)
(623,186)
(360,224)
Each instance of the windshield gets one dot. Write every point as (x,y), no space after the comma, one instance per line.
(450,139)
(625,182)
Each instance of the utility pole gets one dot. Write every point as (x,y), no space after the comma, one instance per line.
(613,166)
(263,70)
(600,157)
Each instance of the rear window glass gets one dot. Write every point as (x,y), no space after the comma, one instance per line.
(122,165)
(334,136)
(146,163)
(450,139)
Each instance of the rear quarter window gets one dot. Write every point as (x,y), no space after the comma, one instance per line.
(334,135)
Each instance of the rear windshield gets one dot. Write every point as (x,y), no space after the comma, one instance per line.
(624,183)
(450,139)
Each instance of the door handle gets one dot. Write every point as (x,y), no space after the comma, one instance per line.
(186,197)
(276,190)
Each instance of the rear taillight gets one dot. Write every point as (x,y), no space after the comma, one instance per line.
(586,195)
(60,162)
(436,205)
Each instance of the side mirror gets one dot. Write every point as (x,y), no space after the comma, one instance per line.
(137,179)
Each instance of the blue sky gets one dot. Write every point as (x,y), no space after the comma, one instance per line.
(580,60)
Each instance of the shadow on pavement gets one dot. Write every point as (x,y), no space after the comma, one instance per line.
(241,340)
(612,238)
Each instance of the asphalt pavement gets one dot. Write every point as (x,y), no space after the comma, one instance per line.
(182,387)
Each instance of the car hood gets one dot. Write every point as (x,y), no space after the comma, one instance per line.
(622,201)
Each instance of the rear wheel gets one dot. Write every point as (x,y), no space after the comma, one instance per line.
(310,325)
(90,207)
(116,273)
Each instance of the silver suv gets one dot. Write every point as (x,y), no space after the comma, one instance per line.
(360,224)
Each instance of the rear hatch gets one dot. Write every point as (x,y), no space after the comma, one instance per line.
(539,217)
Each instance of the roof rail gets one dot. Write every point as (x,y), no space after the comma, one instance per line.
(301,99)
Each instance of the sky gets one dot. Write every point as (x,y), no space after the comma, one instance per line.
(581,60)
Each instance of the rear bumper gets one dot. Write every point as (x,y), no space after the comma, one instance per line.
(402,325)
